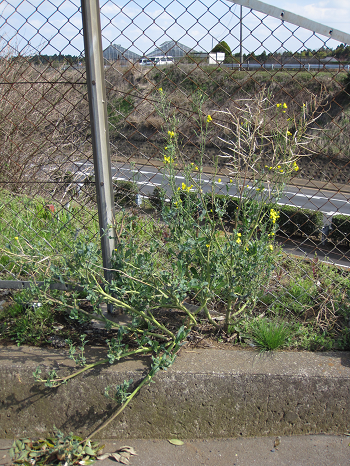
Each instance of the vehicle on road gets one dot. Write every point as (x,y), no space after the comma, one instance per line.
(157,61)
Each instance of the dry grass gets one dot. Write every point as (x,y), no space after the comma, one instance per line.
(44,119)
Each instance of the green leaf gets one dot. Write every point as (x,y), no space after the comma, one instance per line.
(89,451)
(175,441)
(20,445)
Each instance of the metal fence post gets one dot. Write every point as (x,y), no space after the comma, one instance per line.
(99,128)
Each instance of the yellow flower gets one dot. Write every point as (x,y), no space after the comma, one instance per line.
(295,166)
(209,119)
(247,249)
(178,188)
(185,188)
(278,166)
(16,238)
(270,247)
(219,180)
(239,234)
(207,245)
(274,215)
(171,134)
(196,168)
(231,181)
(289,133)
(160,90)
(238,240)
(116,250)
(165,148)
(285,105)
(278,105)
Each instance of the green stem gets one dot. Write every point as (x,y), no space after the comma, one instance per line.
(190,315)
(207,313)
(161,326)
(240,310)
(95,364)
(146,380)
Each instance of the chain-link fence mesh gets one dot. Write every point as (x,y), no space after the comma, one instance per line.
(168,62)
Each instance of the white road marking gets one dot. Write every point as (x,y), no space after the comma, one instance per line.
(144,183)
(144,172)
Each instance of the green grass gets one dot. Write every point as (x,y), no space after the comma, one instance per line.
(27,324)
(309,296)
(270,335)
(29,228)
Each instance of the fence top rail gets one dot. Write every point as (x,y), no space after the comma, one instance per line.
(297,20)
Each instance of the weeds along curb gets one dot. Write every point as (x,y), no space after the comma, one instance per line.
(205,394)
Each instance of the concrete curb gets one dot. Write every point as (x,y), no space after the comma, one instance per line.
(206,394)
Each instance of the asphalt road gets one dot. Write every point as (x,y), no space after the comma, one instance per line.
(148,177)
(326,201)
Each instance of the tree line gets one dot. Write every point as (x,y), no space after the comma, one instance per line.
(341,53)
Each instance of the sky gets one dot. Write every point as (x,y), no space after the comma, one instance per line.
(335,13)
(55,26)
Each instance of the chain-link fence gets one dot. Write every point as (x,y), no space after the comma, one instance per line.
(213,101)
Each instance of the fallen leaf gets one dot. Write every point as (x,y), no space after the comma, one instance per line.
(124,461)
(122,455)
(128,449)
(277,442)
(175,441)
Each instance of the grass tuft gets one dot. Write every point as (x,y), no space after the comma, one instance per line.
(270,335)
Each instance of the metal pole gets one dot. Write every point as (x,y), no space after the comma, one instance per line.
(241,38)
(99,128)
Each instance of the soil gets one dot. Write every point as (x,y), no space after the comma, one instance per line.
(202,335)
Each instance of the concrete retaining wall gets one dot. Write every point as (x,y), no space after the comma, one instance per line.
(207,393)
